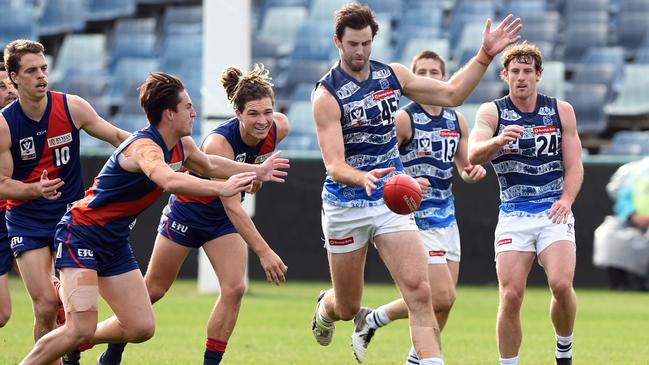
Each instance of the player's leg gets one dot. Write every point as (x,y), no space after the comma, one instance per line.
(404,255)
(5,300)
(133,320)
(166,259)
(79,295)
(512,268)
(346,232)
(228,255)
(36,271)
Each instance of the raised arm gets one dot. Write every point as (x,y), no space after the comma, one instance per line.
(18,190)
(326,114)
(482,142)
(468,172)
(144,155)
(573,170)
(85,117)
(221,167)
(271,263)
(454,91)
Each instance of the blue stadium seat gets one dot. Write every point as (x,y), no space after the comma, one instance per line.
(80,51)
(629,143)
(129,74)
(643,56)
(179,47)
(390,8)
(135,26)
(302,92)
(314,42)
(486,91)
(597,73)
(633,98)
(581,36)
(632,29)
(183,15)
(133,45)
(301,71)
(576,6)
(553,82)
(588,102)
(56,18)
(20,25)
(634,6)
(280,26)
(109,9)
(609,55)
(323,10)
(524,8)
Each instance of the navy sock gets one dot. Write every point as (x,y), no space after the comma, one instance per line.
(212,357)
(113,353)
(214,350)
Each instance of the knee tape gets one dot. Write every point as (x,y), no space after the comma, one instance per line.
(80,291)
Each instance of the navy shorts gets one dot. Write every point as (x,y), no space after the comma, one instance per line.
(192,237)
(6,256)
(74,251)
(20,244)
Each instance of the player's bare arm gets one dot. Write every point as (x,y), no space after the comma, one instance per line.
(220,167)
(326,114)
(482,142)
(468,172)
(144,155)
(85,117)
(18,190)
(454,91)
(573,170)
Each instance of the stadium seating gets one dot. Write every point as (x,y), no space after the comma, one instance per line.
(633,98)
(109,9)
(19,24)
(588,102)
(79,52)
(55,18)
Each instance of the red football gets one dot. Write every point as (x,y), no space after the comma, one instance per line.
(402,194)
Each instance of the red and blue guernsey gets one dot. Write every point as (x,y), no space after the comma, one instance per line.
(6,256)
(95,232)
(192,221)
(50,144)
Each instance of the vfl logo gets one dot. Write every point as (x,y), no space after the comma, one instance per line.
(241,157)
(570,231)
(16,241)
(357,115)
(27,148)
(181,228)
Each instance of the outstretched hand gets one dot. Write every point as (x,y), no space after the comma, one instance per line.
(506,33)
(269,170)
(49,188)
(274,267)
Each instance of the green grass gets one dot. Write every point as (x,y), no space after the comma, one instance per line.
(273,328)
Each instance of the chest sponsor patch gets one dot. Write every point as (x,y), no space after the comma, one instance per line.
(59,140)
(545,129)
(380,95)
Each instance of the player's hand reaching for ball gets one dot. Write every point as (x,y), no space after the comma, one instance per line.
(372,177)
(49,189)
(273,265)
(237,183)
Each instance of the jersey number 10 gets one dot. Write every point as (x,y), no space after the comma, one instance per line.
(61,156)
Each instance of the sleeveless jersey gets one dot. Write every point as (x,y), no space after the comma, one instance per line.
(50,144)
(369,135)
(430,153)
(105,214)
(3,222)
(530,169)
(200,212)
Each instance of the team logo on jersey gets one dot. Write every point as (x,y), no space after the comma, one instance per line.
(357,115)
(59,140)
(175,165)
(424,146)
(16,241)
(179,227)
(240,157)
(262,158)
(384,83)
(546,110)
(450,124)
(347,90)
(447,114)
(508,114)
(381,74)
(547,120)
(27,148)
(85,253)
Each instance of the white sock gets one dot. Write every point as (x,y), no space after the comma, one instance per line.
(322,319)
(509,361)
(377,318)
(564,347)
(412,357)
(432,361)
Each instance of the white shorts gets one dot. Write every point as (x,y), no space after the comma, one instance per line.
(442,244)
(531,234)
(349,229)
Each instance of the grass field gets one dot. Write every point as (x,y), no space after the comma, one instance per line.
(273,328)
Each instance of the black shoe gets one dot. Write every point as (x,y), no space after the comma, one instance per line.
(565,361)
(71,358)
